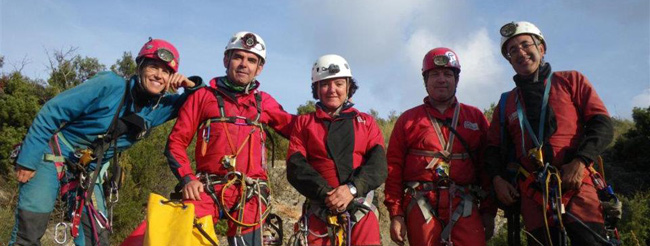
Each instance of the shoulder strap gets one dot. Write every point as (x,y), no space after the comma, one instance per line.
(502,112)
(103,145)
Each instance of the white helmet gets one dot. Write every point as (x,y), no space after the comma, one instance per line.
(330,66)
(247,41)
(513,29)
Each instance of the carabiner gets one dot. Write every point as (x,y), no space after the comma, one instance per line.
(115,191)
(57,233)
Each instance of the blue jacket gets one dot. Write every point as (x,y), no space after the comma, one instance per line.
(82,113)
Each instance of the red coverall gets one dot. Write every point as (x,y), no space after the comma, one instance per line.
(573,101)
(414,130)
(326,152)
(251,161)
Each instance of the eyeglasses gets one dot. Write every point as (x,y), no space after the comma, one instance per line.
(524,46)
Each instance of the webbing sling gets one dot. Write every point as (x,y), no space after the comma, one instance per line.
(446,146)
(100,145)
(538,139)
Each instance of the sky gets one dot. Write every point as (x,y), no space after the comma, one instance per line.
(383,41)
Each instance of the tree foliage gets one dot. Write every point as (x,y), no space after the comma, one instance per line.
(20,100)
(308,107)
(125,66)
(68,69)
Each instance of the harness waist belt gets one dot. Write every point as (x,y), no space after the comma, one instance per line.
(439,154)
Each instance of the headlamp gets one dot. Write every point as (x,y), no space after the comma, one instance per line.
(508,30)
(441,60)
(249,41)
(165,55)
(333,69)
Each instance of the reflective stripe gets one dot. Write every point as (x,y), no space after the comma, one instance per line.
(53,158)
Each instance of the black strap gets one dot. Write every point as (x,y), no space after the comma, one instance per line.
(199,227)
(463,142)
(269,136)
(103,145)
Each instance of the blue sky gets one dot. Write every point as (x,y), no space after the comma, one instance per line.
(384,41)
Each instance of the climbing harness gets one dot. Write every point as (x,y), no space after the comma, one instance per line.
(248,187)
(544,185)
(339,224)
(440,165)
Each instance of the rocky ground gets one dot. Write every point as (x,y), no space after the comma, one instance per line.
(287,203)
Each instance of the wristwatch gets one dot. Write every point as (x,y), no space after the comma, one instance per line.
(353,189)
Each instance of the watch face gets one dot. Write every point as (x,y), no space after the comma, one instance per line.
(353,189)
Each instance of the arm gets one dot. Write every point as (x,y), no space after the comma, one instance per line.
(189,117)
(598,129)
(495,160)
(397,150)
(597,133)
(299,173)
(371,174)
(171,103)
(278,119)
(66,107)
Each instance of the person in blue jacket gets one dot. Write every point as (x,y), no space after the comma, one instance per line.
(83,125)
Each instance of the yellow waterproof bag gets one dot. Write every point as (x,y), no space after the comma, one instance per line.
(173,223)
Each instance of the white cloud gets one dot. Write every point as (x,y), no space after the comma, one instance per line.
(386,41)
(642,100)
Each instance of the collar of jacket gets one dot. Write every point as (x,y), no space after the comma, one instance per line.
(140,97)
(448,114)
(528,79)
(219,83)
(347,112)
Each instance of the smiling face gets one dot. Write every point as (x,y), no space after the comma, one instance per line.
(155,76)
(332,93)
(441,84)
(524,56)
(242,66)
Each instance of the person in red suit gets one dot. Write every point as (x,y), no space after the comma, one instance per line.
(436,182)
(336,159)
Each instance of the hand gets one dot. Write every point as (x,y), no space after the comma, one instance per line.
(398,230)
(506,193)
(572,174)
(193,190)
(178,80)
(488,224)
(23,174)
(339,198)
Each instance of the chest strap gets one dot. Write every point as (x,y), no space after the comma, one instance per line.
(445,145)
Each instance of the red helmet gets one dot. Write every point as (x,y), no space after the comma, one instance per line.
(160,50)
(440,57)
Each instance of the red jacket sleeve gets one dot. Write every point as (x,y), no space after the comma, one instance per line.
(277,118)
(397,150)
(189,117)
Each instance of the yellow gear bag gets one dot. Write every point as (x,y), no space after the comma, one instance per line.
(172,223)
